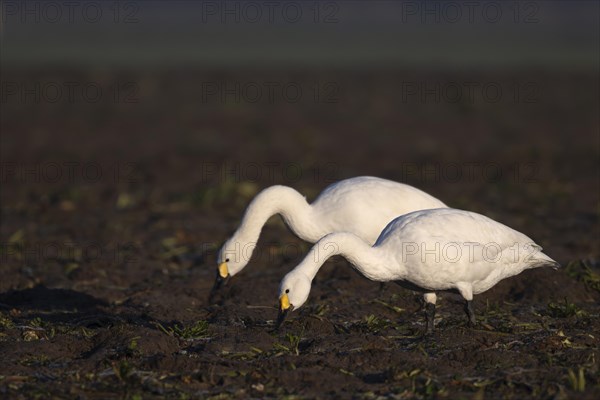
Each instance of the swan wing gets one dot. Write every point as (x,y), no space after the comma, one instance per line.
(442,247)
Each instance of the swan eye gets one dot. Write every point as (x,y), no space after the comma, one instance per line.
(287,290)
(227,260)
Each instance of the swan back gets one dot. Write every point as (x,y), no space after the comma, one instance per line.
(452,225)
(365,205)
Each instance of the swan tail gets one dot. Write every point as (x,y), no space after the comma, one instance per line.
(542,260)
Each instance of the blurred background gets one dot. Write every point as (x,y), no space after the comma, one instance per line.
(134,134)
(140,120)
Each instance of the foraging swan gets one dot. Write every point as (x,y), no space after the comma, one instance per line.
(362,205)
(429,251)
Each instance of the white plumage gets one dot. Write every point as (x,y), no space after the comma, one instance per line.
(361,205)
(428,250)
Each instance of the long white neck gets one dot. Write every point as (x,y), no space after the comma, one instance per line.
(276,200)
(366,259)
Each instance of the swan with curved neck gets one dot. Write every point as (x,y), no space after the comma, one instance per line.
(361,205)
(430,250)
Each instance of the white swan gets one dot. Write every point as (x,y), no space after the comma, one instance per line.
(362,205)
(428,250)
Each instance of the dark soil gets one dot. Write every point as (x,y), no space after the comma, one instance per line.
(104,282)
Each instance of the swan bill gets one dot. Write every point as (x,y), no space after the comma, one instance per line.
(223,271)
(284,308)
(284,302)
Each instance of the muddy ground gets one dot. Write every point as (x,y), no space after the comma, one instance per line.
(105,277)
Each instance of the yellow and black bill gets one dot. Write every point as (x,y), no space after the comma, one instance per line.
(284,308)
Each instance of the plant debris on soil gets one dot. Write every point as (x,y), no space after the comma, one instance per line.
(105,283)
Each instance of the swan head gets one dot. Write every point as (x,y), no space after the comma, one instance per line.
(230,261)
(232,258)
(293,293)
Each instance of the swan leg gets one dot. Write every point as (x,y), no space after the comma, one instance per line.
(430,299)
(470,313)
(466,291)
